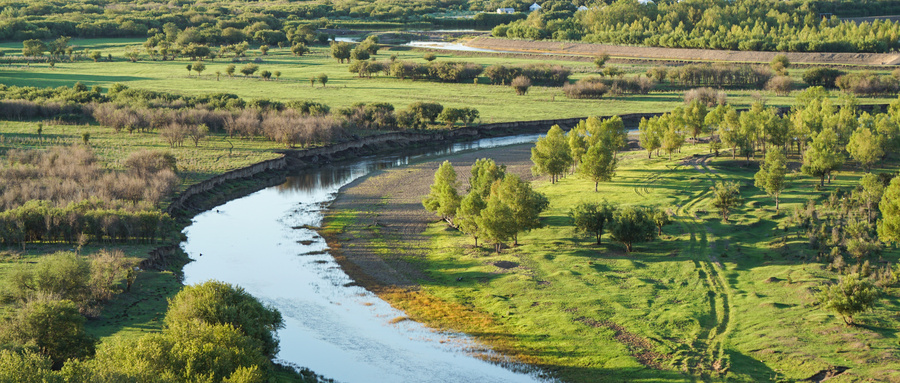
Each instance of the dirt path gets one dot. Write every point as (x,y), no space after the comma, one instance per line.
(586,49)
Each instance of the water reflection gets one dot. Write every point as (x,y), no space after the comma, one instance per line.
(265,244)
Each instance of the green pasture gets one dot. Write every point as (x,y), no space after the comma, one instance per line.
(495,103)
(719,301)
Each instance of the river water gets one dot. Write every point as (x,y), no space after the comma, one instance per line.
(262,243)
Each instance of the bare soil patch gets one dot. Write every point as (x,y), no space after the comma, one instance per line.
(586,49)
(378,249)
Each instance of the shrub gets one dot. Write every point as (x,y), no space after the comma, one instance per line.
(429,56)
(709,96)
(822,76)
(867,84)
(585,89)
(781,85)
(521,85)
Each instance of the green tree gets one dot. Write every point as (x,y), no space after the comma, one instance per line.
(341,51)
(650,135)
(592,217)
(632,225)
(299,49)
(660,218)
(598,164)
(525,204)
(484,173)
(56,328)
(551,155)
(870,193)
(428,56)
(199,67)
(468,216)
(323,79)
(823,156)
(219,303)
(62,275)
(852,295)
(727,196)
(249,69)
(889,224)
(96,55)
(33,48)
(444,197)
(577,144)
(266,75)
(498,223)
(264,50)
(426,110)
(229,70)
(694,118)
(865,147)
(780,64)
(770,177)
(601,59)
(359,54)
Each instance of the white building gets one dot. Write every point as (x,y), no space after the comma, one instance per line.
(506,10)
(534,7)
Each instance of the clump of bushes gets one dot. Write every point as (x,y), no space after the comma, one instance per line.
(539,74)
(443,71)
(708,96)
(868,84)
(521,85)
(824,77)
(595,87)
(585,90)
(721,75)
(781,85)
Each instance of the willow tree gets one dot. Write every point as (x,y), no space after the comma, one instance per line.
(551,154)
(598,164)
(823,156)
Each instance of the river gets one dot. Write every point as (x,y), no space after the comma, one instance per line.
(262,243)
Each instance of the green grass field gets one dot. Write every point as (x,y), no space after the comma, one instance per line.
(717,301)
(496,103)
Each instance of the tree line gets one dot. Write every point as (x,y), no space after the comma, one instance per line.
(764,25)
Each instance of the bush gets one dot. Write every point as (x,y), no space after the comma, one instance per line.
(539,74)
(721,75)
(429,56)
(709,96)
(824,77)
(781,85)
(585,90)
(868,84)
(521,85)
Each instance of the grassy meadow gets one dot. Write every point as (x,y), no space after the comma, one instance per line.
(709,300)
(495,103)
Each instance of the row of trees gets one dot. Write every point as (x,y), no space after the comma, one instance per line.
(497,206)
(590,148)
(768,25)
(627,224)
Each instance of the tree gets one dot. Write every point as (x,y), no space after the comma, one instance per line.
(551,155)
(264,50)
(853,294)
(249,69)
(770,177)
(598,164)
(498,223)
(229,70)
(428,56)
(592,217)
(277,74)
(577,144)
(199,67)
(727,196)
(359,54)
(889,224)
(266,75)
(601,59)
(660,218)
(62,275)
(672,140)
(870,193)
(865,147)
(468,216)
(299,49)
(650,135)
(312,81)
(525,204)
(484,173)
(695,118)
(632,225)
(323,79)
(218,303)
(823,156)
(96,55)
(341,51)
(33,48)
(55,327)
(426,110)
(444,198)
(780,63)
